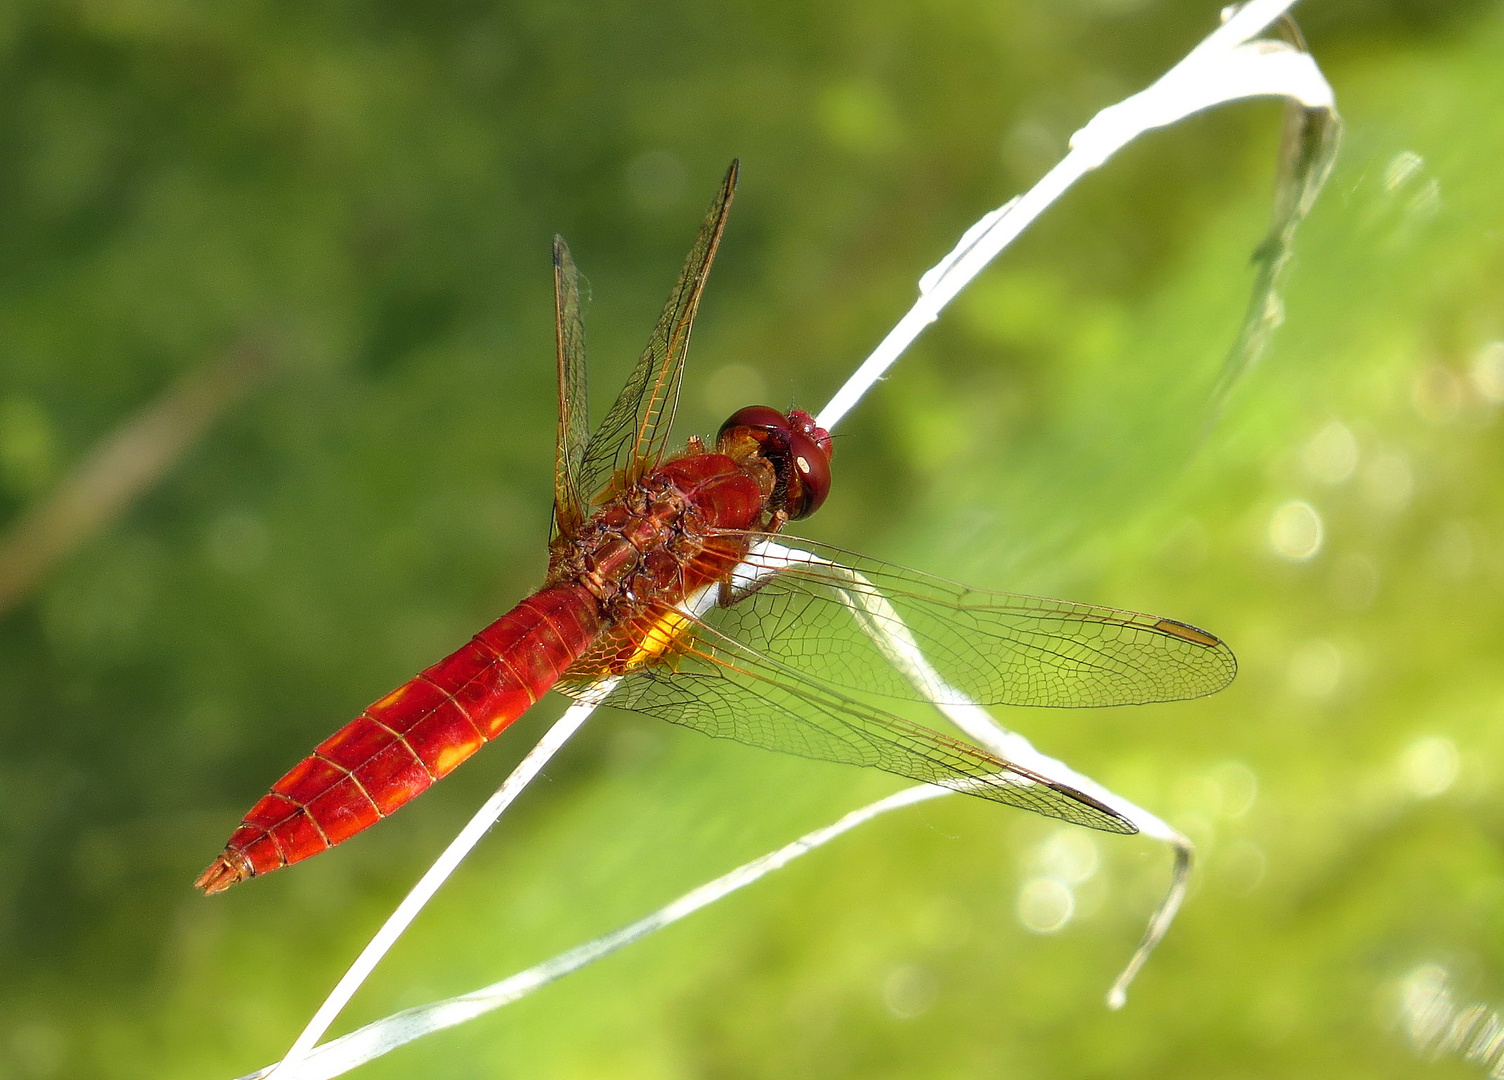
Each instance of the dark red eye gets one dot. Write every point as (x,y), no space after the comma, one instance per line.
(804,424)
(760,417)
(798,450)
(811,465)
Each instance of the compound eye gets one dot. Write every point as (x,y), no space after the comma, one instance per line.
(757,417)
(804,423)
(797,448)
(810,465)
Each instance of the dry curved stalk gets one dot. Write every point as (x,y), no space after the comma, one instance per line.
(123,465)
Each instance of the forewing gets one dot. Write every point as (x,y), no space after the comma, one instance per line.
(635,432)
(727,691)
(569,492)
(857,623)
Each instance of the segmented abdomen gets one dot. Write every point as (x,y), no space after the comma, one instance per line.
(413,736)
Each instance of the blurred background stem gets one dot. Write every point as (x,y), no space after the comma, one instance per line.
(102,486)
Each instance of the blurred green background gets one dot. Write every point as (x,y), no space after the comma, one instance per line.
(368,191)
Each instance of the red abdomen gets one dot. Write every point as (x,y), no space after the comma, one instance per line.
(413,736)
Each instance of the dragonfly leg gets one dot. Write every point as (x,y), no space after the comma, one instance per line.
(727,592)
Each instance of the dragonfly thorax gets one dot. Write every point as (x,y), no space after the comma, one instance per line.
(665,536)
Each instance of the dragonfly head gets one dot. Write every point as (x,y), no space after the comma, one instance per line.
(798,450)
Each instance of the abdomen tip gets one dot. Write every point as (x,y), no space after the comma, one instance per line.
(229,869)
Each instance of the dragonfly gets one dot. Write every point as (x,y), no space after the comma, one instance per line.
(673,590)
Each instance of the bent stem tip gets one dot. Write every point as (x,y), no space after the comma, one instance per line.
(1159,922)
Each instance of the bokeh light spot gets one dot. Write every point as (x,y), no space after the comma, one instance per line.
(1488,372)
(858,116)
(910,991)
(1295,531)
(1045,905)
(1069,855)
(1332,454)
(1429,766)
(1237,788)
(1437,395)
(1316,669)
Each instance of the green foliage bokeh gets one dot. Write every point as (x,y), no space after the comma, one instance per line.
(371,189)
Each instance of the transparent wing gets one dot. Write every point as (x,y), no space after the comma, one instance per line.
(574,409)
(854,622)
(728,691)
(632,437)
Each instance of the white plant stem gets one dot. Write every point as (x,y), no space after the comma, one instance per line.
(1228,65)
(382,1036)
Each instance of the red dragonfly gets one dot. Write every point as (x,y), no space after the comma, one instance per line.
(663,578)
